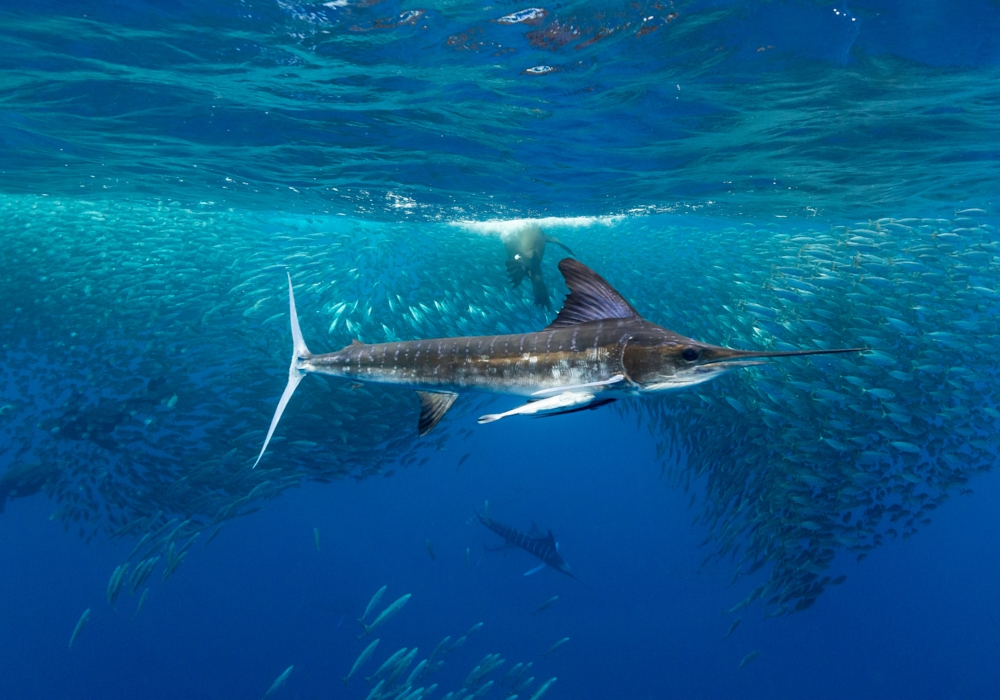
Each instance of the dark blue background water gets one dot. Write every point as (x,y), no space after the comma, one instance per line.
(845,110)
(918,619)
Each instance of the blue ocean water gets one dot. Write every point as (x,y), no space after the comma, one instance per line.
(778,175)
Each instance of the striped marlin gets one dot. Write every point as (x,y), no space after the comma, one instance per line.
(542,547)
(596,350)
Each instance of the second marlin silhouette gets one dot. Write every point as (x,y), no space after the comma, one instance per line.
(542,547)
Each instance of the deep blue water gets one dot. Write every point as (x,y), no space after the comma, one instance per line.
(917,619)
(777,175)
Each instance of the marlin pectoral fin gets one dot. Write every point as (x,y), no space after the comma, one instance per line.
(433,406)
(535,570)
(560,389)
(588,407)
(560,402)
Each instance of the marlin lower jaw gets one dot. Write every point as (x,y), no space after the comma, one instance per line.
(697,375)
(677,383)
(728,365)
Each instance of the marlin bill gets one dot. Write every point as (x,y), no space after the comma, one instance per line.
(597,349)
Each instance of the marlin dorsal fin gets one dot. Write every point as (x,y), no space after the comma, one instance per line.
(590,297)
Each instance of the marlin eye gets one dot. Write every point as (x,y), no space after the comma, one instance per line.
(690,354)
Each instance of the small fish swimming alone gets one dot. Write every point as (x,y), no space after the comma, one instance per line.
(362,658)
(430,551)
(79,626)
(142,601)
(374,601)
(732,627)
(543,547)
(555,647)
(279,681)
(597,349)
(316,537)
(747,659)
(545,606)
(211,537)
(386,614)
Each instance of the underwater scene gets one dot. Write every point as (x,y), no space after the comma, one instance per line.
(655,349)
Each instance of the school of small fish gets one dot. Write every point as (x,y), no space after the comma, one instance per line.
(395,680)
(163,327)
(797,463)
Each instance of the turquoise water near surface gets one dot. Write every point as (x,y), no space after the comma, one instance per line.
(401,109)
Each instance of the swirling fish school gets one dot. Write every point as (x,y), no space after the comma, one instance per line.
(852,453)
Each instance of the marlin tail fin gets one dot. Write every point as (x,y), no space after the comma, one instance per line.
(299,351)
